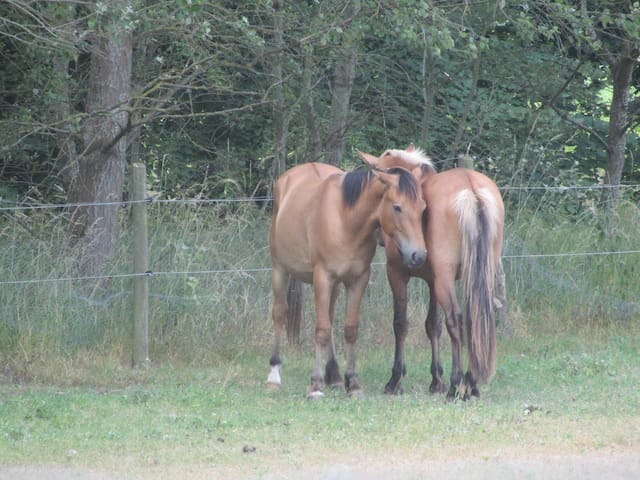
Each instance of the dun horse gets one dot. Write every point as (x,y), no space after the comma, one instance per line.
(463,227)
(323,232)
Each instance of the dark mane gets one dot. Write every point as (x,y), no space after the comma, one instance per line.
(353,184)
(407,184)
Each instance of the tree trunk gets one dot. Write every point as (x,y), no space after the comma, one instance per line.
(101,166)
(428,89)
(280,121)
(622,72)
(461,132)
(314,149)
(344,75)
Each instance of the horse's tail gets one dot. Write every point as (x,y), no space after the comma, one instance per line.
(294,314)
(479,220)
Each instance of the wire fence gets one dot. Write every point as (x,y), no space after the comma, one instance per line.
(265,199)
(125,203)
(208,275)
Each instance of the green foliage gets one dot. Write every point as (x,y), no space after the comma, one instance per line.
(475,78)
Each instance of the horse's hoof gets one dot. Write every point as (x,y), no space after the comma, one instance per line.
(454,394)
(274,376)
(315,395)
(437,387)
(357,394)
(394,390)
(337,387)
(464,393)
(273,386)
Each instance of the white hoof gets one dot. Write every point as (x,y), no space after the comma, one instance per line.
(274,376)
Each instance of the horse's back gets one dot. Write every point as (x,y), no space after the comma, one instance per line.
(450,183)
(301,181)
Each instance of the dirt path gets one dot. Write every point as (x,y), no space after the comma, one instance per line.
(540,468)
(578,467)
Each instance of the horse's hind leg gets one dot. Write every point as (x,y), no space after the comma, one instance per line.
(446,294)
(332,375)
(279,283)
(433,326)
(398,280)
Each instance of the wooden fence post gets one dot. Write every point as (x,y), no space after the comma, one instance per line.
(140,267)
(465,161)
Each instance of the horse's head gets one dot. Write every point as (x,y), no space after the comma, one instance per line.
(401,213)
(409,158)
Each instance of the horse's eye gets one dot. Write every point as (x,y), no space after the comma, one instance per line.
(397,207)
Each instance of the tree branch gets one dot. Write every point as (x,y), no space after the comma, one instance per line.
(564,115)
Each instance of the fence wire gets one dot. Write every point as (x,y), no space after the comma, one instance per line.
(263,199)
(236,271)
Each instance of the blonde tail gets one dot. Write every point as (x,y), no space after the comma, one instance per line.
(478,218)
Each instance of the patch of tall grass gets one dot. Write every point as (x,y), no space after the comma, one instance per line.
(210,294)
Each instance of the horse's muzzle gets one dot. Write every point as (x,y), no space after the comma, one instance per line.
(415,259)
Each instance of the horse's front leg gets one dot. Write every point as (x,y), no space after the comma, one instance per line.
(279,283)
(398,279)
(433,326)
(322,286)
(355,291)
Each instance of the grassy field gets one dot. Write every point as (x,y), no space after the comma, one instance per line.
(558,395)
(566,383)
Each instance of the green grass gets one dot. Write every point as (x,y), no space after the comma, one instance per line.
(561,396)
(566,380)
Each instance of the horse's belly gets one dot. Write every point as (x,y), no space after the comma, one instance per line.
(294,256)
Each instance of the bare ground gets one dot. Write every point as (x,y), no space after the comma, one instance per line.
(596,466)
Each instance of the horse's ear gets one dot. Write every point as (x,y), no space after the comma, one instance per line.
(369,159)
(411,148)
(428,169)
(422,172)
(383,176)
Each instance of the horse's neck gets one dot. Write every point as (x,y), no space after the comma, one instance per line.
(363,217)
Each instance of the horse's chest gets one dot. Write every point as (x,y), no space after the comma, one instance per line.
(348,266)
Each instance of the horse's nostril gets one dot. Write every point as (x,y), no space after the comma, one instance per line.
(418,258)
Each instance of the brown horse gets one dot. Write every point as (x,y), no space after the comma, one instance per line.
(323,232)
(463,226)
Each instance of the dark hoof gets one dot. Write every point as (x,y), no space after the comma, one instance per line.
(463,392)
(358,394)
(351,383)
(437,386)
(337,387)
(393,388)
